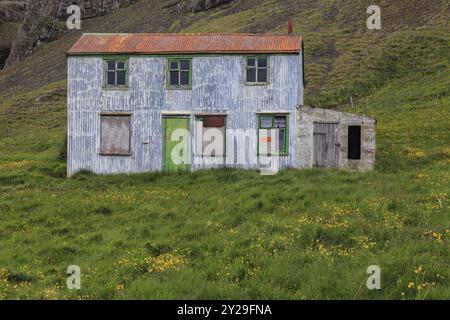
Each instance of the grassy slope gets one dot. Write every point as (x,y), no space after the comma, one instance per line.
(233,234)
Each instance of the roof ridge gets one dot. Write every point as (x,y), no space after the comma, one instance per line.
(153,43)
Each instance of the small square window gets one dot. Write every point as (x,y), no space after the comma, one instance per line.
(179,73)
(256,70)
(116,73)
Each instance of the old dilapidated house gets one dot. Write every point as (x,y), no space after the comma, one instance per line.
(226,99)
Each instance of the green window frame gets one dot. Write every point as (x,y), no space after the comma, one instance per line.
(179,73)
(115,72)
(256,70)
(275,122)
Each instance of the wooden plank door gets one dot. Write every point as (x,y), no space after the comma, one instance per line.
(326,145)
(177,142)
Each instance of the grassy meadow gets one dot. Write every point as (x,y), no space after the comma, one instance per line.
(221,234)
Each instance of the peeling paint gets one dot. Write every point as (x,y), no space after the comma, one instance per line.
(217,87)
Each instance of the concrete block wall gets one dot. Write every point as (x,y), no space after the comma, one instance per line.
(306,117)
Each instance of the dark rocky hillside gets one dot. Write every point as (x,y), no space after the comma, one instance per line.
(11,15)
(43,21)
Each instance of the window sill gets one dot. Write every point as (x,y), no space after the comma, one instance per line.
(115,155)
(178,87)
(274,155)
(114,88)
(256,84)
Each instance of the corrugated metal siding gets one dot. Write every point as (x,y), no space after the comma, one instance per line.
(186,43)
(217,87)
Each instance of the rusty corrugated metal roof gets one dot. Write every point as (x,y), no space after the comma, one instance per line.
(166,43)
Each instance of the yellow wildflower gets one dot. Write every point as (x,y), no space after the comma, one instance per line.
(120,287)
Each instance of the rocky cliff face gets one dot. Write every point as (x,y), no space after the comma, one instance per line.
(11,14)
(92,8)
(11,11)
(44,21)
(203,5)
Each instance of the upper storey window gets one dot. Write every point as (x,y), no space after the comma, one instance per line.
(256,70)
(179,73)
(116,72)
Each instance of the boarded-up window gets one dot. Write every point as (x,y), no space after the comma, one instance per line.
(210,136)
(115,135)
(354,142)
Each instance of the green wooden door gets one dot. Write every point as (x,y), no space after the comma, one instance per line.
(177,144)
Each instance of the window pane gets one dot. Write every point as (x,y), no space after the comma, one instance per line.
(111,65)
(281,140)
(266,122)
(111,80)
(121,65)
(251,75)
(280,122)
(174,81)
(185,64)
(174,65)
(262,62)
(184,78)
(251,62)
(121,78)
(262,75)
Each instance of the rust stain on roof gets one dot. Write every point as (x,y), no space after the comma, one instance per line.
(166,43)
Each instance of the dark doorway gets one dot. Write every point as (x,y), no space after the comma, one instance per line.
(354,142)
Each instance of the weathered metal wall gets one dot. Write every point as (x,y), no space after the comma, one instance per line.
(217,87)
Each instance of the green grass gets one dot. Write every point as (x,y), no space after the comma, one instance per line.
(301,234)
(235,234)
